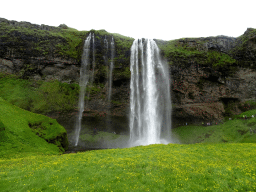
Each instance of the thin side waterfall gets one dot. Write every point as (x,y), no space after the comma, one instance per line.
(91,76)
(106,59)
(112,47)
(93,58)
(150,99)
(84,77)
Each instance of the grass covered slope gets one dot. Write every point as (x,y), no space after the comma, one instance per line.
(22,132)
(172,167)
(231,131)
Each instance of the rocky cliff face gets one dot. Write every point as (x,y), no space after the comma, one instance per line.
(202,94)
(211,77)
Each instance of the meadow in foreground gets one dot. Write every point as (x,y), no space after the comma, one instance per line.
(29,163)
(172,167)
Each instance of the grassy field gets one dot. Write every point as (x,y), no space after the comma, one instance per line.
(172,167)
(212,158)
(231,131)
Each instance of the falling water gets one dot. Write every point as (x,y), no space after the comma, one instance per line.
(105,57)
(93,57)
(105,51)
(84,77)
(150,99)
(112,47)
(91,76)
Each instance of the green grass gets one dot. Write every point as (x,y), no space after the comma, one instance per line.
(23,132)
(248,114)
(231,131)
(172,167)
(223,161)
(29,163)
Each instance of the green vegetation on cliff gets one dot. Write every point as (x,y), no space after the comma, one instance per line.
(31,40)
(24,133)
(244,50)
(34,45)
(218,59)
(39,96)
(184,51)
(243,40)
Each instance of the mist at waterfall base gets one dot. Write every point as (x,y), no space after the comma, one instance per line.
(150,99)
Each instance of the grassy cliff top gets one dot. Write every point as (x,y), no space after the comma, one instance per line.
(62,41)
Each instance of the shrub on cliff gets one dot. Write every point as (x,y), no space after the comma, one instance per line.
(55,96)
(63,26)
(218,59)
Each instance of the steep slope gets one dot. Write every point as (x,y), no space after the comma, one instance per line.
(24,132)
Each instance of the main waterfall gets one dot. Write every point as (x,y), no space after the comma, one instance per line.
(150,99)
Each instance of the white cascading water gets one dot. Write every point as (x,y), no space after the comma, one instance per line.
(93,58)
(150,99)
(84,77)
(112,47)
(105,57)
(91,76)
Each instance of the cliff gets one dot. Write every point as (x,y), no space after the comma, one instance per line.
(211,77)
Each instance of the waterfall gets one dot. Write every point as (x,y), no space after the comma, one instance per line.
(84,77)
(93,58)
(112,47)
(91,76)
(105,56)
(150,99)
